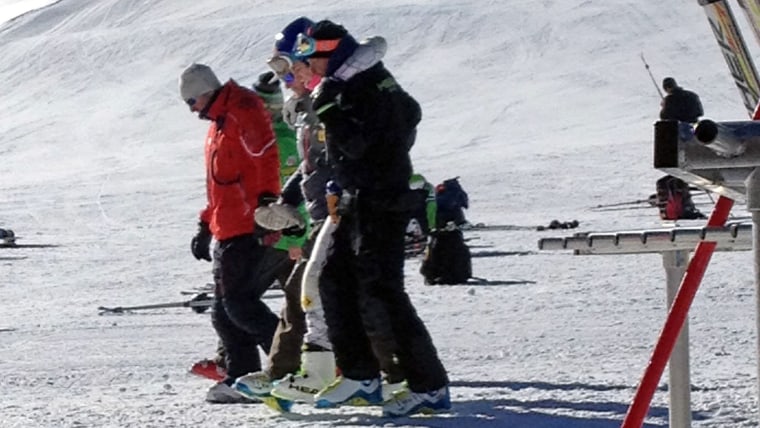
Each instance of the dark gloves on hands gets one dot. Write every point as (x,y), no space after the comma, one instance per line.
(327,100)
(200,242)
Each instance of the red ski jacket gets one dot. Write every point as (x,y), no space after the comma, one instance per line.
(242,161)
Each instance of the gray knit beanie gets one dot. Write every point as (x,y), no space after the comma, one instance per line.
(196,80)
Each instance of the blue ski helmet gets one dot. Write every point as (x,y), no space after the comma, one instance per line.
(285,40)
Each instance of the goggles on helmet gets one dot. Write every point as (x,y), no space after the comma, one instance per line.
(308,46)
(282,65)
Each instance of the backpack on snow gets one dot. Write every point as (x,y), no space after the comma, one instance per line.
(447,258)
(674,200)
(452,200)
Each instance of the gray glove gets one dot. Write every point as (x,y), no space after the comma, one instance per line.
(279,216)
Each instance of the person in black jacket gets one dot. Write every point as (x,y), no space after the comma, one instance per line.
(679,104)
(370,124)
(673,195)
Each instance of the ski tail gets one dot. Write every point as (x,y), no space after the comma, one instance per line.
(734,50)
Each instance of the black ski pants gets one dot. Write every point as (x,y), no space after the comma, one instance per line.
(366,306)
(241,319)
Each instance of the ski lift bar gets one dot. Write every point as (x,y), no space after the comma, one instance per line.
(733,237)
(674,244)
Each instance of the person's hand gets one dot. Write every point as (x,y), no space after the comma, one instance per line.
(332,195)
(199,245)
(295,253)
(271,238)
(291,109)
(327,100)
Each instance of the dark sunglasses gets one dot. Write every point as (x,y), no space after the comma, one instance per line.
(191,101)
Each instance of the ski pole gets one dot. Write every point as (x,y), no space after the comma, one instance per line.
(651,200)
(656,86)
(199,304)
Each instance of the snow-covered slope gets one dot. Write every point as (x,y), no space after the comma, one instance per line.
(542,107)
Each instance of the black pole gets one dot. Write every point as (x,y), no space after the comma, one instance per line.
(656,86)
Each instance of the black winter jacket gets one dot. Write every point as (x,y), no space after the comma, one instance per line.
(370,123)
(681,105)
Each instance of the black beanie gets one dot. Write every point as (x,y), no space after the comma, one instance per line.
(267,84)
(269,91)
(327,30)
(669,83)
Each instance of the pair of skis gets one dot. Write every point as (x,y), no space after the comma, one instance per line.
(552,225)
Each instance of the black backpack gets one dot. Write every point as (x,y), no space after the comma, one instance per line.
(452,200)
(447,258)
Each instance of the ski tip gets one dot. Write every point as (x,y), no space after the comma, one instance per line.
(278,404)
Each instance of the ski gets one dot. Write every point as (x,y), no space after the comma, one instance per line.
(280,405)
(476,254)
(751,10)
(19,246)
(554,224)
(483,281)
(193,292)
(208,369)
(208,291)
(734,50)
(414,245)
(11,258)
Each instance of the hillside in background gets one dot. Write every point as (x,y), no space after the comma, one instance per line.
(543,108)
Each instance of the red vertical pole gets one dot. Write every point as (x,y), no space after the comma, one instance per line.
(679,310)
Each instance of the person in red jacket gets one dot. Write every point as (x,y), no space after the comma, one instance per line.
(242,172)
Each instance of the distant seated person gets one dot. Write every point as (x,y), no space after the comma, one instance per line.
(425,208)
(679,104)
(452,200)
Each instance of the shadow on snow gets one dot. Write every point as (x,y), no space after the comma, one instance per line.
(508,412)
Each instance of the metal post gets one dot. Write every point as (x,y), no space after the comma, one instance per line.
(753,205)
(756,249)
(639,407)
(679,383)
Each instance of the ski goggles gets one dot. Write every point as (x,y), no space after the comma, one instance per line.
(191,101)
(306,46)
(282,67)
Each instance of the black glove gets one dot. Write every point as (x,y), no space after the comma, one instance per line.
(326,92)
(326,99)
(200,242)
(266,198)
